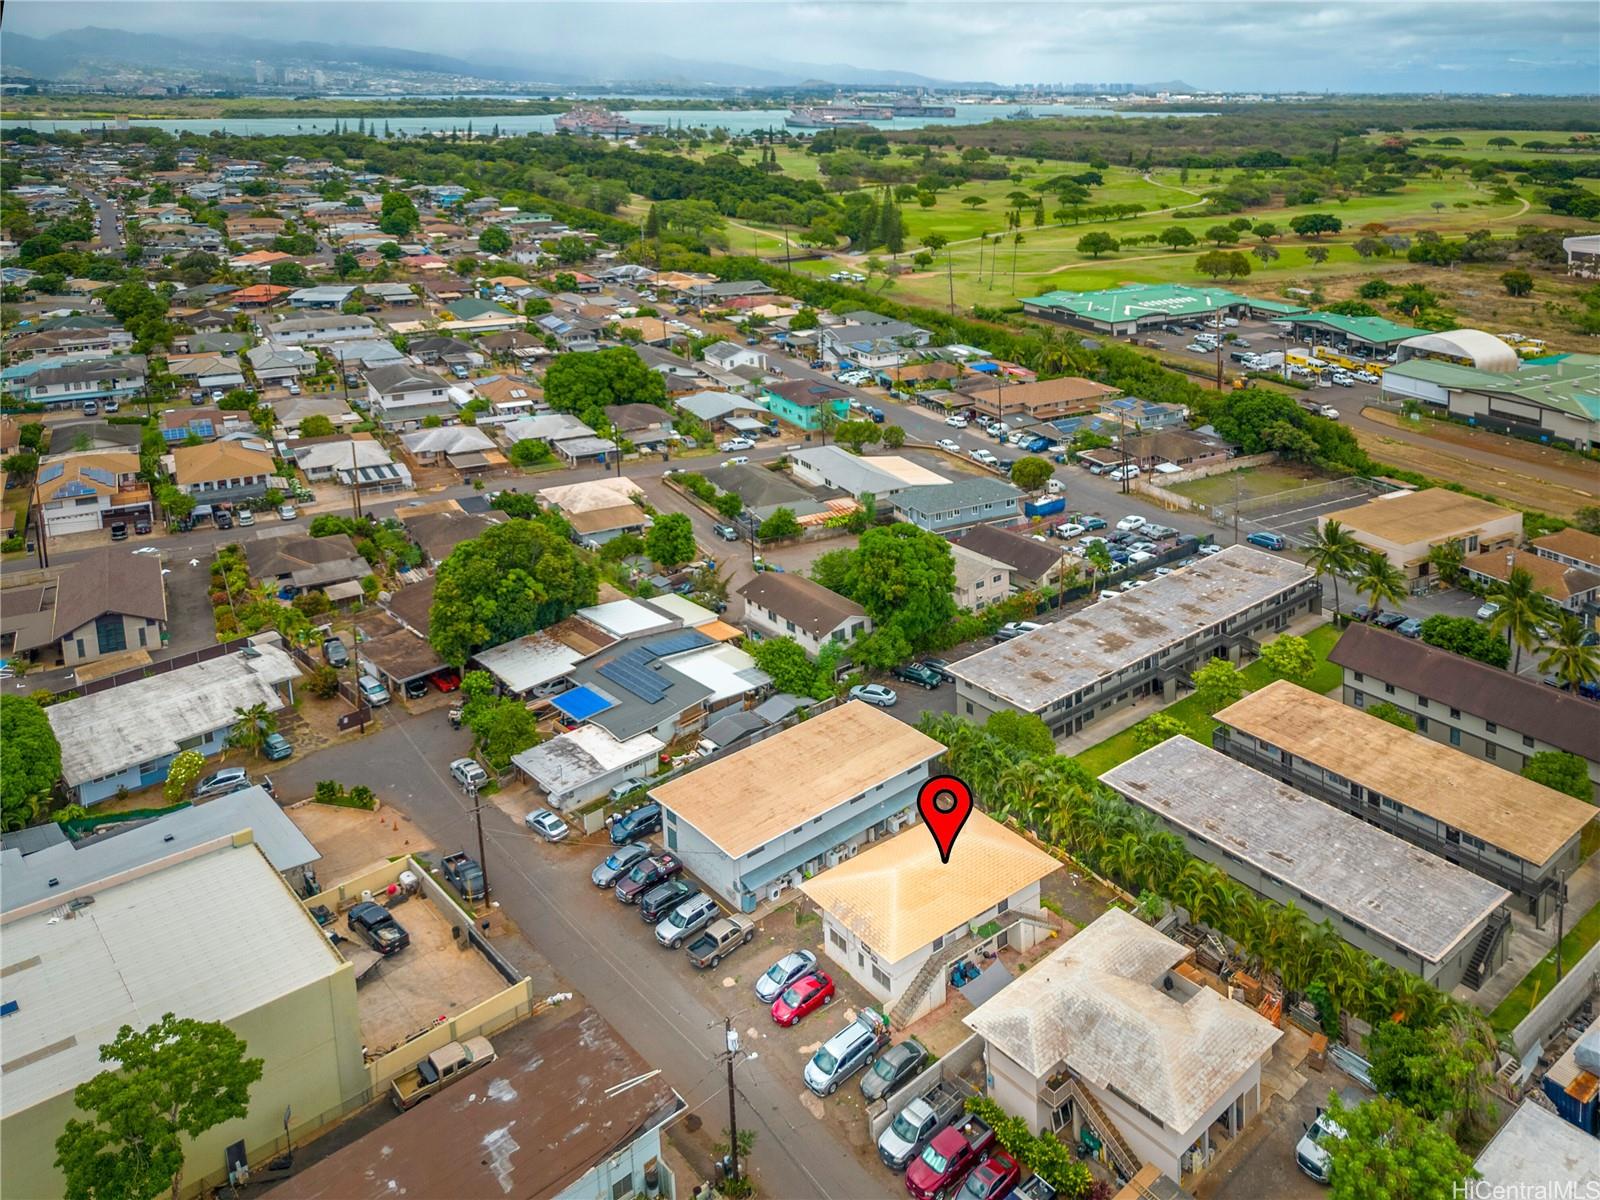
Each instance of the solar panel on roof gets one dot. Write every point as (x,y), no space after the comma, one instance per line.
(50,471)
(676,643)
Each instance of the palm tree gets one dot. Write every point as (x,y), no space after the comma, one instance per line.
(1196,888)
(1333,552)
(1570,658)
(1446,559)
(252,727)
(1522,607)
(1378,580)
(1127,859)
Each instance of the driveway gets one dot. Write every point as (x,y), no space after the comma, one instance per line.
(671,1020)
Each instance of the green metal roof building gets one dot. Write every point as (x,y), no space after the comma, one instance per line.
(1126,309)
(1550,399)
(1373,331)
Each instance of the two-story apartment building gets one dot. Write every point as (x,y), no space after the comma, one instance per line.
(1480,710)
(1571,588)
(401,396)
(1510,830)
(780,604)
(803,403)
(895,916)
(1033,565)
(221,471)
(71,383)
(960,504)
(1026,403)
(1140,643)
(1410,908)
(88,490)
(1570,547)
(319,327)
(1404,526)
(1111,1033)
(744,829)
(980,580)
(727,356)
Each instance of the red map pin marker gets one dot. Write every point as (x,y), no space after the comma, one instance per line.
(945,804)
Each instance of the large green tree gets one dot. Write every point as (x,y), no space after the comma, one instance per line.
(1562,771)
(1030,472)
(1464,636)
(670,542)
(905,578)
(508,581)
(30,761)
(584,384)
(1523,606)
(792,670)
(1379,580)
(1290,657)
(1217,684)
(1568,655)
(1392,1152)
(175,1079)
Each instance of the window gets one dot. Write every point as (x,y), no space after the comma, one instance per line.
(1422,724)
(622,1188)
(1388,689)
(880,977)
(1455,736)
(672,839)
(837,939)
(1360,699)
(1490,750)
(1455,714)
(1004,905)
(110,633)
(1360,678)
(1526,740)
(1422,702)
(1491,727)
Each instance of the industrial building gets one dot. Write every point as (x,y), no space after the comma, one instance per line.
(1404,526)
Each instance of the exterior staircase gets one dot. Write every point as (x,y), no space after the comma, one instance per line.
(923,980)
(1110,1136)
(1488,942)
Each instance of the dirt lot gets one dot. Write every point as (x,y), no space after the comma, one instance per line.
(351,841)
(1533,477)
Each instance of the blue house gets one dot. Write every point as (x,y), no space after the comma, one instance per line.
(938,507)
(801,403)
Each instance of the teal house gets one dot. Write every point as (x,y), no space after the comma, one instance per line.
(801,402)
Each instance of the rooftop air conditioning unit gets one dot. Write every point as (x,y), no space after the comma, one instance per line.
(834,857)
(852,849)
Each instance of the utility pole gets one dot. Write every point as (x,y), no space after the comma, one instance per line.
(732,1036)
(355,481)
(1235,508)
(1561,915)
(483,861)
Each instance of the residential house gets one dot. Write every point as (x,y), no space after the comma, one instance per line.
(1569,588)
(1034,566)
(207,371)
(482,316)
(600,1134)
(1404,526)
(1507,829)
(579,451)
(549,428)
(291,563)
(80,341)
(435,349)
(723,410)
(881,476)
(583,765)
(207,424)
(870,341)
(1172,448)
(438,533)
(751,834)
(681,375)
(711,294)
(464,447)
(1029,403)
(262,295)
(221,470)
(599,509)
(1145,642)
(127,736)
(538,664)
(780,604)
(89,490)
(803,403)
(71,383)
(261,261)
(292,410)
(574,334)
(98,605)
(321,327)
(1388,898)
(1571,547)
(403,397)
(725,356)
(980,580)
(942,507)
(896,917)
(1481,710)
(355,461)
(1536,1151)
(323,296)
(281,365)
(1112,1034)
(93,433)
(641,424)
(132,943)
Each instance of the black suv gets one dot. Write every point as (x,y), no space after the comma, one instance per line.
(663,898)
(377,928)
(334,653)
(645,819)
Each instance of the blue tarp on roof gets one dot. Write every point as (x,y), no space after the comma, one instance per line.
(581,703)
(988,368)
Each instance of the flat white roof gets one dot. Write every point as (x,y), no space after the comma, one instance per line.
(149,718)
(168,940)
(1039,668)
(628,618)
(529,661)
(586,753)
(1538,1151)
(727,670)
(691,614)
(1404,895)
(610,492)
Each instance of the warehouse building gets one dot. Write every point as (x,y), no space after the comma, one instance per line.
(1404,526)
(1554,398)
(1141,643)
(1509,830)
(1413,910)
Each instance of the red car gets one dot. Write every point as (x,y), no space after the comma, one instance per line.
(992,1179)
(802,996)
(447,680)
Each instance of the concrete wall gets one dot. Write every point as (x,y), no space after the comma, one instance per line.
(1581,980)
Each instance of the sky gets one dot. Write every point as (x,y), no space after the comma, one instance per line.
(1548,46)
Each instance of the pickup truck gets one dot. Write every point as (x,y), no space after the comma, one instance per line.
(945,1161)
(464,874)
(439,1070)
(720,937)
(645,875)
(914,1124)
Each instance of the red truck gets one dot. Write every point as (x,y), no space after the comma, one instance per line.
(945,1161)
(646,875)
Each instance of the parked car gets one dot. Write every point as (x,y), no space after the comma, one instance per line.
(918,674)
(334,652)
(645,875)
(1015,629)
(276,747)
(415,689)
(1130,522)
(642,821)
(373,692)
(1209,549)
(664,897)
(119,531)
(947,1158)
(222,782)
(992,1179)
(447,680)
(287,512)
(547,825)
(726,532)
(894,1068)
(1487,609)
(1362,612)
(469,773)
(846,1052)
(720,939)
(917,1122)
(464,873)
(690,916)
(1069,529)
(956,422)
(736,444)
(223,519)
(941,667)
(802,997)
(875,693)
(791,967)
(1389,620)
(1092,523)
(618,863)
(246,519)
(949,445)
(1267,541)
(376,926)
(1411,627)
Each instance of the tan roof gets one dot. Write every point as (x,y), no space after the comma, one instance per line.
(218,460)
(808,604)
(596,520)
(1553,578)
(746,799)
(1098,1005)
(1429,515)
(897,896)
(1069,389)
(1574,543)
(96,469)
(1517,815)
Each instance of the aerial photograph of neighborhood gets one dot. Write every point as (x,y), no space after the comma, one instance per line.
(829,600)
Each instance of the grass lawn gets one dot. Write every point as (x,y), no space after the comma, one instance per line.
(1538,981)
(1251,482)
(1198,724)
(1477,143)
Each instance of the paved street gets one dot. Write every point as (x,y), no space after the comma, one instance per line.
(568,921)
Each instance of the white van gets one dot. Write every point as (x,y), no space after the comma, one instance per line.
(1121,473)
